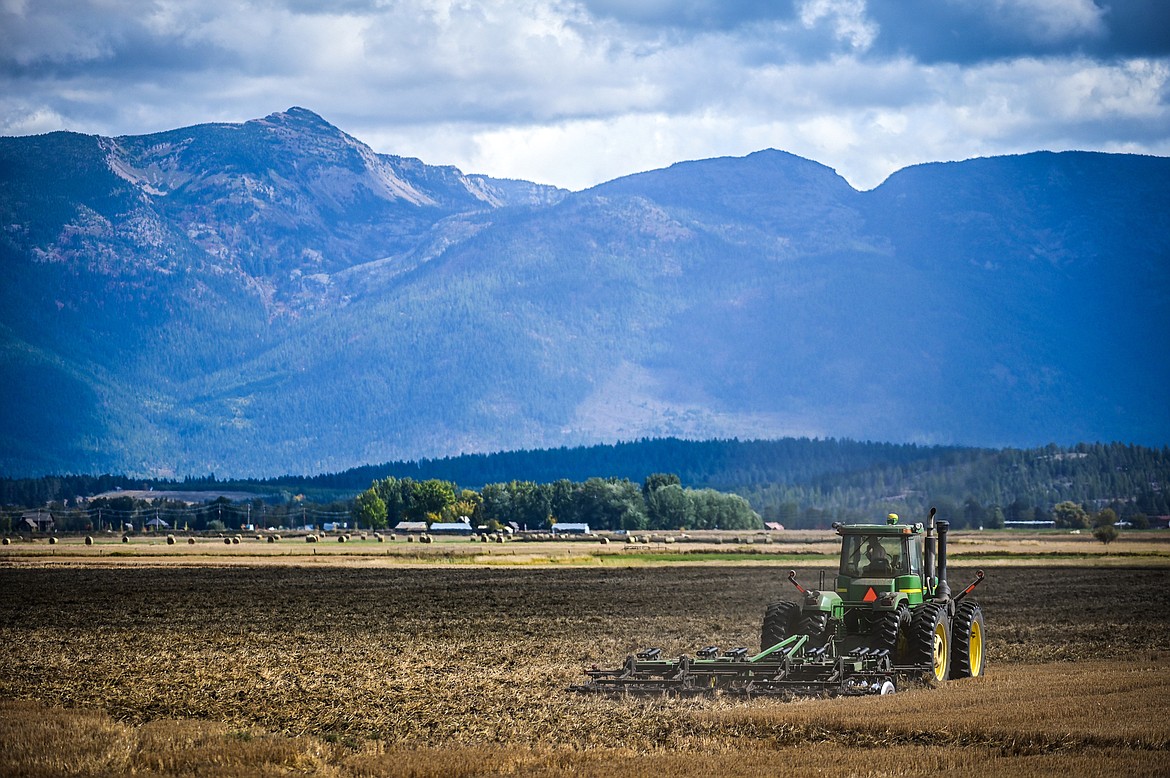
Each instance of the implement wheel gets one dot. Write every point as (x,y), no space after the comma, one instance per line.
(930,641)
(967,657)
(780,620)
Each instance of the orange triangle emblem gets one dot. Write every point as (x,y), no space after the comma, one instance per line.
(870,596)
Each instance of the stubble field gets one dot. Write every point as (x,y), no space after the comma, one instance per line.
(334,669)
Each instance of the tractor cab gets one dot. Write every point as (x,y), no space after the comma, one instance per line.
(880,559)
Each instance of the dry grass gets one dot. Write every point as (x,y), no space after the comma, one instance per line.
(460,671)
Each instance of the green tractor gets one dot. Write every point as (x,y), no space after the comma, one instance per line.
(889,619)
(891,596)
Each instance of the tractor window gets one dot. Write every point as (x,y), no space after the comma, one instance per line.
(872,555)
(914,554)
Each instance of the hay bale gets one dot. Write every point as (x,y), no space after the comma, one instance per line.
(342,538)
(125,538)
(605,541)
(88,540)
(310,538)
(52,541)
(500,538)
(7,542)
(228,541)
(426,539)
(392,536)
(380,538)
(363,536)
(190,541)
(271,538)
(170,540)
(410,538)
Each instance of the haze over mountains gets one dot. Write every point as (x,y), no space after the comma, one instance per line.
(275,297)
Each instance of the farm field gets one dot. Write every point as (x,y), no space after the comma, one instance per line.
(363,667)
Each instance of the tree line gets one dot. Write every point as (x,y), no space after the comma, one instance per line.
(659,503)
(798,482)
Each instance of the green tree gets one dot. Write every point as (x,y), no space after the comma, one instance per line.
(370,510)
(668,507)
(430,498)
(1070,515)
(1106,533)
(656,481)
(1105,517)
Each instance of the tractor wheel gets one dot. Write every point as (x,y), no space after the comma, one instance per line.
(814,624)
(967,638)
(930,641)
(780,622)
(888,632)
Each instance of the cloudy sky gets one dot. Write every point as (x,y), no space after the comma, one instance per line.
(575,92)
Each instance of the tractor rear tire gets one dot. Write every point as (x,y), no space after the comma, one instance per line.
(888,627)
(967,641)
(814,624)
(930,641)
(780,621)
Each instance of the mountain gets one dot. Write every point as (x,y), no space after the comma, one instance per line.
(275,297)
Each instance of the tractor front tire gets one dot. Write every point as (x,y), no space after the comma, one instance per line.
(930,641)
(967,641)
(780,621)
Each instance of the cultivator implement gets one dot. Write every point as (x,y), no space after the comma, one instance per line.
(790,668)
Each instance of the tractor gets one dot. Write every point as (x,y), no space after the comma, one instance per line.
(889,620)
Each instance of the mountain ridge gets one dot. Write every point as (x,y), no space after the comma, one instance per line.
(289,300)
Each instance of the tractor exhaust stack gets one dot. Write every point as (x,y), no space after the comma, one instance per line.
(943,593)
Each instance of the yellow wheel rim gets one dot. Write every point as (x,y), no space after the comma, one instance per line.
(940,651)
(975,651)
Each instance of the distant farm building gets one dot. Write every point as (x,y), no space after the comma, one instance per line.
(451,528)
(571,529)
(773,525)
(411,526)
(37,521)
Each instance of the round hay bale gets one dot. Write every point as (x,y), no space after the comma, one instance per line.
(125,538)
(310,538)
(410,538)
(170,540)
(259,537)
(52,541)
(363,536)
(426,539)
(392,536)
(342,538)
(88,540)
(228,541)
(190,541)
(631,538)
(668,539)
(605,541)
(271,538)
(500,538)
(380,538)
(7,542)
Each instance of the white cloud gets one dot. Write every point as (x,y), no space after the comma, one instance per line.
(574,92)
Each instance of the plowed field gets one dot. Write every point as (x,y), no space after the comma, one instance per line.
(462,671)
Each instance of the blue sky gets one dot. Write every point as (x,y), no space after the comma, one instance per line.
(575,92)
